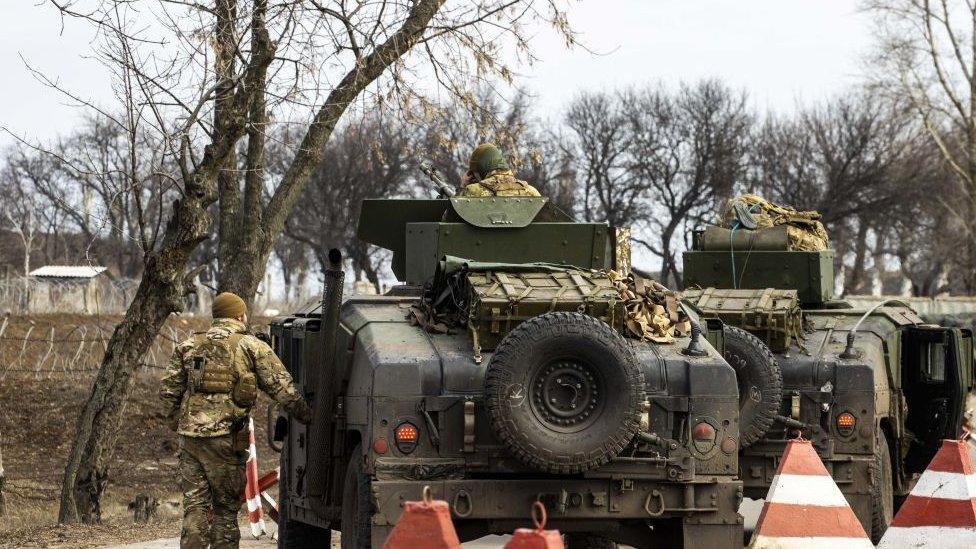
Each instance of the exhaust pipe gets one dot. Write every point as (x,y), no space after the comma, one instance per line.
(323,416)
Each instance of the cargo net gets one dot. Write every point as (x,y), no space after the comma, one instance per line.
(639,308)
(751,212)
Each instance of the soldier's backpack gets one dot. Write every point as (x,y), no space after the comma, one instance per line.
(214,370)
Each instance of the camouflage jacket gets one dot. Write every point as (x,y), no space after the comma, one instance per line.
(200,413)
(500,183)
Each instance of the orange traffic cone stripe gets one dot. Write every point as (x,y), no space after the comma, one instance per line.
(805,508)
(941,509)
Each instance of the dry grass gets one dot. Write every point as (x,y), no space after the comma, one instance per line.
(37,420)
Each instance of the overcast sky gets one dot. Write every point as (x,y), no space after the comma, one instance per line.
(781,51)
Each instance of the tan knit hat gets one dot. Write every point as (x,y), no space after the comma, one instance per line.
(228,305)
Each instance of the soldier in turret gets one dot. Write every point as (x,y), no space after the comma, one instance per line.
(489,175)
(209,388)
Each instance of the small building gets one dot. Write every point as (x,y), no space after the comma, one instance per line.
(68,289)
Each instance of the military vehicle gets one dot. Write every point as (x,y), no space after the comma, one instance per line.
(874,388)
(498,375)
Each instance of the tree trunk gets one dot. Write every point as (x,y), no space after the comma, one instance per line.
(242,268)
(855,276)
(228,180)
(86,472)
(161,292)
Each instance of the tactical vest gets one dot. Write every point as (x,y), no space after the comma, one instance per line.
(213,368)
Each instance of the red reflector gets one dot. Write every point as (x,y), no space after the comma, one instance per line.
(703,432)
(407,432)
(380,446)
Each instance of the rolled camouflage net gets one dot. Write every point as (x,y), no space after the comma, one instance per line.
(804,229)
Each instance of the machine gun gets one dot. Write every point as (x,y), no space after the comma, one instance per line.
(443,189)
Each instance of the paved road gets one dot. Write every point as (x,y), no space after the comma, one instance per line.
(750,510)
(247,542)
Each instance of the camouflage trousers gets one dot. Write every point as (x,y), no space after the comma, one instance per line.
(212,479)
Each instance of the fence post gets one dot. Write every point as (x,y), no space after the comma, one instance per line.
(3,503)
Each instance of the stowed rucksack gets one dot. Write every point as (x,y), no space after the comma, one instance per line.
(751,212)
(213,369)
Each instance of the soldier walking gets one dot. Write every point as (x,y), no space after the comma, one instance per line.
(210,386)
(489,175)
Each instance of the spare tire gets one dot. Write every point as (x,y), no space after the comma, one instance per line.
(760,383)
(564,392)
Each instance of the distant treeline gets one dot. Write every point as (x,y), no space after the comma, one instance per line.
(662,160)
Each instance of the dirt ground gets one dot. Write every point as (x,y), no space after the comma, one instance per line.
(40,400)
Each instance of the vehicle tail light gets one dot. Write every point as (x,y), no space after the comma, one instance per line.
(846,423)
(406,436)
(703,432)
(703,437)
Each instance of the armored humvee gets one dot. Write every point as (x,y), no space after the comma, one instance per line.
(874,388)
(497,375)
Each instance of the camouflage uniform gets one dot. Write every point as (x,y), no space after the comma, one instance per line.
(209,387)
(500,183)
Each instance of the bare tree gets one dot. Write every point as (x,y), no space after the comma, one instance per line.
(369,158)
(690,148)
(165,280)
(658,161)
(601,141)
(926,59)
(848,159)
(455,42)
(20,211)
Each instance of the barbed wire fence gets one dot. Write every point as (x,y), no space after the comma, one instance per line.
(43,351)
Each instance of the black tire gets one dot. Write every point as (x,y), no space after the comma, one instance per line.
(588,541)
(882,489)
(357,507)
(760,383)
(564,391)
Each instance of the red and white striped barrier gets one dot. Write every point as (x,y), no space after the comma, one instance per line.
(941,509)
(804,507)
(266,481)
(252,490)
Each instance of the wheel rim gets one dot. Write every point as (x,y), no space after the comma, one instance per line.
(567,394)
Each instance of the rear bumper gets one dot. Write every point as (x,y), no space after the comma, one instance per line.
(713,502)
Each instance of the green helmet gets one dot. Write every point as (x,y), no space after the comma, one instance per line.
(487,158)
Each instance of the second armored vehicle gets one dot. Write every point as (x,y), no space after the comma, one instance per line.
(874,388)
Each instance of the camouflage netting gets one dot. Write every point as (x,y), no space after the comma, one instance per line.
(805,231)
(652,309)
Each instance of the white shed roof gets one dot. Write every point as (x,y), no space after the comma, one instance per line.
(68,271)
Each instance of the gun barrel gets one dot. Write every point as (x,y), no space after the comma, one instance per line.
(443,188)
